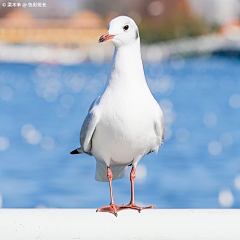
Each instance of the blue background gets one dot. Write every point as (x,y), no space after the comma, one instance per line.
(196,95)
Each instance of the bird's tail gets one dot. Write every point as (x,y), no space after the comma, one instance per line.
(119,171)
(77,151)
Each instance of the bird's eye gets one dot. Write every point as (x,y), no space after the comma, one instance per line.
(126,27)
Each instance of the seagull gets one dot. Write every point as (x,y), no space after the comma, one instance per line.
(125,123)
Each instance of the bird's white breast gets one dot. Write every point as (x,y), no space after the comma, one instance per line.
(119,135)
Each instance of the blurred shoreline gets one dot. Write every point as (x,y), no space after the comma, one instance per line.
(99,53)
(168,29)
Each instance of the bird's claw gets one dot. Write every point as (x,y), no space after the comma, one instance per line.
(135,207)
(112,208)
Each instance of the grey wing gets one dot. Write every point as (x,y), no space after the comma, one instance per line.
(159,128)
(89,127)
(93,104)
(87,131)
(163,128)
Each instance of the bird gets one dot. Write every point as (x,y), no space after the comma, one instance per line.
(125,122)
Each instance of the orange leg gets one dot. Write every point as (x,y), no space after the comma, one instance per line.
(132,204)
(112,208)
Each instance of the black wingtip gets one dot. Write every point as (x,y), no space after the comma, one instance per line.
(74,152)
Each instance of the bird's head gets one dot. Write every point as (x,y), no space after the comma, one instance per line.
(122,30)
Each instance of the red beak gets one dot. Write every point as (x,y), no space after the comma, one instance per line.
(105,37)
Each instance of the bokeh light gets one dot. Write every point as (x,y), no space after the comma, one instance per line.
(215,148)
(234,101)
(4,143)
(210,119)
(30,134)
(155,8)
(141,173)
(225,198)
(237,182)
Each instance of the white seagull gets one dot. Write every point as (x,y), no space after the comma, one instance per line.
(125,123)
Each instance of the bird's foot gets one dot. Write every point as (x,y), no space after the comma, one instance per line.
(112,208)
(135,207)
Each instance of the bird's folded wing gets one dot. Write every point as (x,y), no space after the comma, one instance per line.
(87,131)
(159,127)
(163,128)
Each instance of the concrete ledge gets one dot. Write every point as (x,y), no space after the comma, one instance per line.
(174,224)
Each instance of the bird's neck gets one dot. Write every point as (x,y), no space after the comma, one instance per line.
(127,67)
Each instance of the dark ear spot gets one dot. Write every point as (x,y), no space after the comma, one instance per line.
(136,36)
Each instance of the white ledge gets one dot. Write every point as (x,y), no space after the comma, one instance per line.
(174,224)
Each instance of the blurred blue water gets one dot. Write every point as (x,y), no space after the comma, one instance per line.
(42,108)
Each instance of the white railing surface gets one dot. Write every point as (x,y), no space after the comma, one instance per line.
(174,224)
